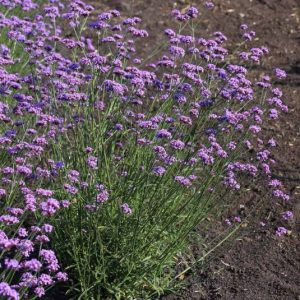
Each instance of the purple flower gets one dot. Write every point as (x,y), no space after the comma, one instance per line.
(115,87)
(266,168)
(30,202)
(50,257)
(287,215)
(59,164)
(231,181)
(11,263)
(237,219)
(227,222)
(177,144)
(42,238)
(280,74)
(47,228)
(35,229)
(183,181)
(170,32)
(273,113)
(164,133)
(281,231)
(177,51)
(70,189)
(49,207)
(43,192)
(2,192)
(192,12)
(89,149)
(73,176)
(138,32)
(8,292)
(102,197)
(272,142)
(275,183)
(193,177)
(91,207)
(22,232)
(99,105)
(24,170)
(65,203)
(280,194)
(119,127)
(209,4)
(185,120)
(159,171)
(92,162)
(244,26)
(28,280)
(204,154)
(39,292)
(9,220)
(180,98)
(32,265)
(61,276)
(126,209)
(231,145)
(26,247)
(7,170)
(45,279)
(254,128)
(161,151)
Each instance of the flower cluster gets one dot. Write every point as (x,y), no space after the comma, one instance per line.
(85,123)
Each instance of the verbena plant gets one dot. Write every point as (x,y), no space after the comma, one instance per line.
(123,158)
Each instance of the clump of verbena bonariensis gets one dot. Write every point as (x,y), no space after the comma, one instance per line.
(123,159)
